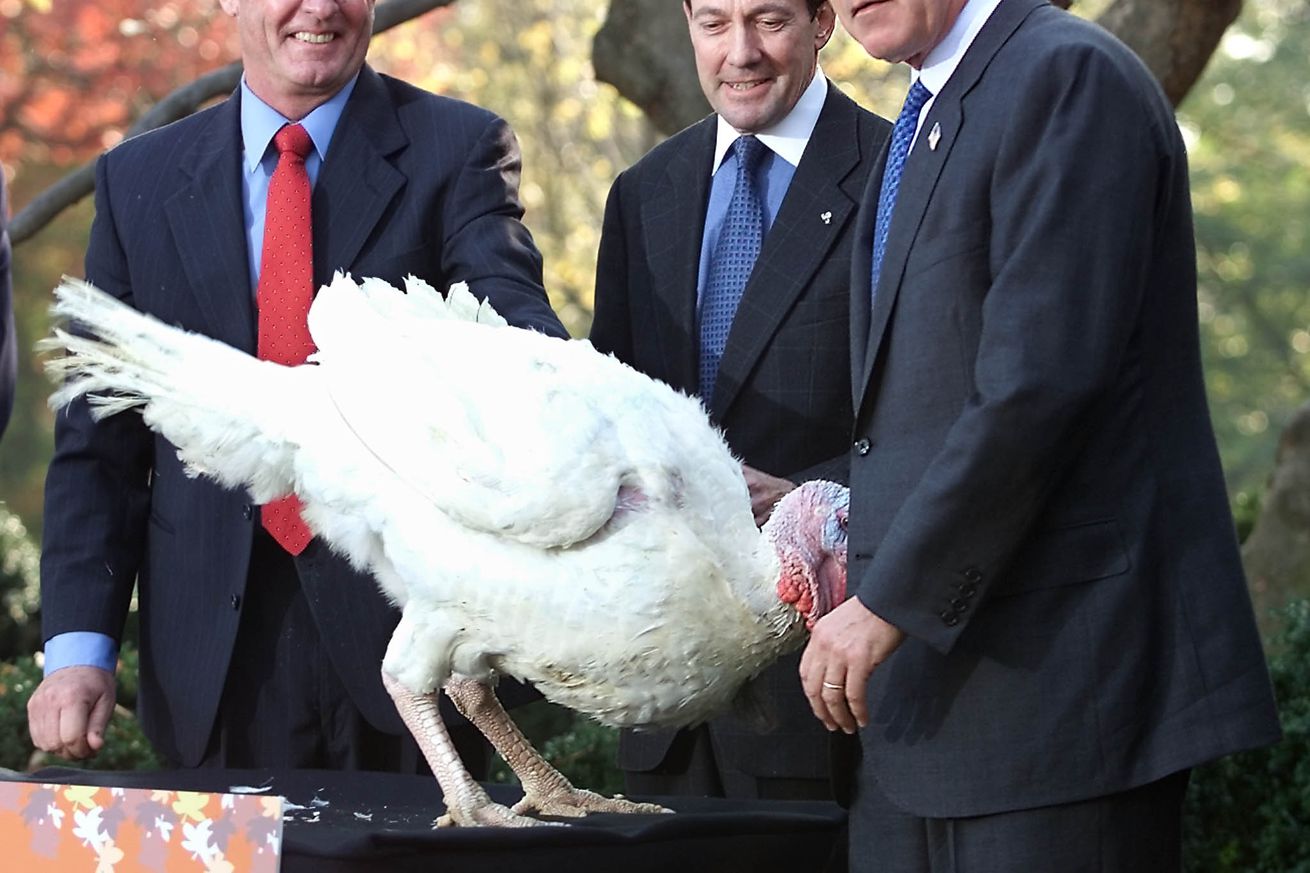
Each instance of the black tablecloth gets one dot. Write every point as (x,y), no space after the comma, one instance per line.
(393,828)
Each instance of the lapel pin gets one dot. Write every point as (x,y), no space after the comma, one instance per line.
(934,136)
(827,217)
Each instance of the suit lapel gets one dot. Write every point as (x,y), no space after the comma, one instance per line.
(673,215)
(919,179)
(207,220)
(357,183)
(809,222)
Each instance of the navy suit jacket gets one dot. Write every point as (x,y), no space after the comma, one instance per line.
(413,183)
(783,391)
(1036,497)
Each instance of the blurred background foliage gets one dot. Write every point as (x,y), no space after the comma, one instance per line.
(74,74)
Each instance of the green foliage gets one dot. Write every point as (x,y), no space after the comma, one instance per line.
(1250,813)
(126,748)
(20,588)
(1246,506)
(1246,125)
(585,752)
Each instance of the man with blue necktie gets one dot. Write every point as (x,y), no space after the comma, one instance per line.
(1049,624)
(259,647)
(724,271)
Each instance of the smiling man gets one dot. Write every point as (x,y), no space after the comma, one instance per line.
(724,271)
(1050,624)
(259,647)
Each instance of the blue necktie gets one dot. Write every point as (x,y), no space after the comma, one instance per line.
(902,135)
(734,258)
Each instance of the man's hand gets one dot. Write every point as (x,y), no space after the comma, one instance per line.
(844,647)
(69,711)
(765,492)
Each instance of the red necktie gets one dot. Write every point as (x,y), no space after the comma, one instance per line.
(286,287)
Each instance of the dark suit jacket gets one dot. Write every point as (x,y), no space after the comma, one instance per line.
(8,338)
(413,183)
(783,391)
(1040,505)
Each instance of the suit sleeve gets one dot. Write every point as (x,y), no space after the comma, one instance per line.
(487,244)
(836,469)
(97,497)
(8,337)
(611,323)
(1077,178)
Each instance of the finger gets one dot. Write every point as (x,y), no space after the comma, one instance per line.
(834,697)
(39,723)
(99,722)
(812,672)
(47,723)
(857,695)
(72,730)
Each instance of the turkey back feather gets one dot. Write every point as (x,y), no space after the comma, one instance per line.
(508,411)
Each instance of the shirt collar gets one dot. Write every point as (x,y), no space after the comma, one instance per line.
(260,122)
(941,62)
(788,137)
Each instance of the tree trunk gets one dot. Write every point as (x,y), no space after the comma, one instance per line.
(1174,37)
(1277,553)
(643,50)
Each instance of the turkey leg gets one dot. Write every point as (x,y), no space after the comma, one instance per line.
(467,803)
(545,790)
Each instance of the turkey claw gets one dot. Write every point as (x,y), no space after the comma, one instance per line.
(577,802)
(489,815)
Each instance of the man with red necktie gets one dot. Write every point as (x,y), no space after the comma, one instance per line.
(259,647)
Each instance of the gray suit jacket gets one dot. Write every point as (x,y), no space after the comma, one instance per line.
(1037,499)
(413,183)
(783,391)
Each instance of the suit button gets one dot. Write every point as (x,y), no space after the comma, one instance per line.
(862,446)
(247,512)
(967,589)
(235,600)
(949,618)
(972,574)
(960,605)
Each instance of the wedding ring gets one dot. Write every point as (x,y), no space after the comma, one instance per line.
(833,686)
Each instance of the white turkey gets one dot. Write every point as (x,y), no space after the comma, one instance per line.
(542,511)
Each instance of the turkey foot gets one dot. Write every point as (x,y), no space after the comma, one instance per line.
(545,790)
(467,803)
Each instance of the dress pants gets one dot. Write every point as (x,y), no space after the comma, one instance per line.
(1135,831)
(284,706)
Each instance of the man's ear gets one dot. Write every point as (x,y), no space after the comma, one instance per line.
(827,20)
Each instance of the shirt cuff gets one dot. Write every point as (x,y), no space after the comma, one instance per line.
(80,649)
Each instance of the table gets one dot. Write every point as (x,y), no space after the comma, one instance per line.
(360,821)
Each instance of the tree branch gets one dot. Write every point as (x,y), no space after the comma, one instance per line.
(179,103)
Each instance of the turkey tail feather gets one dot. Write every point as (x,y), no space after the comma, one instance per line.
(225,411)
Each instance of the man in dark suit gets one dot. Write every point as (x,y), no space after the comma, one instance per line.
(254,653)
(781,392)
(1050,625)
(8,339)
